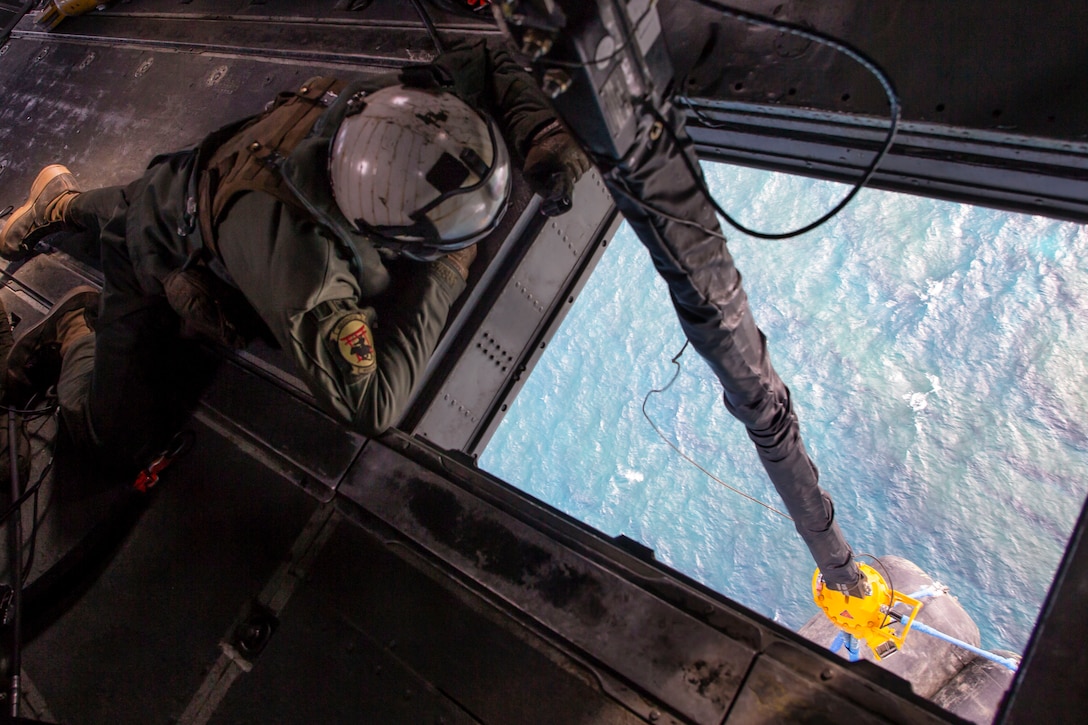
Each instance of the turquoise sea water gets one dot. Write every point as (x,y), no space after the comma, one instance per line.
(936,354)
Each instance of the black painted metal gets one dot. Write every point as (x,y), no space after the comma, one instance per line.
(379,635)
(515,308)
(109,89)
(10,15)
(650,645)
(988,118)
(974,65)
(135,647)
(385,35)
(252,402)
(662,645)
(1000,169)
(1050,686)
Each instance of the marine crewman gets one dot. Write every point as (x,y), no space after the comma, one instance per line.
(342,221)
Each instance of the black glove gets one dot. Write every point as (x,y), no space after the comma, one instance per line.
(553,166)
(860,588)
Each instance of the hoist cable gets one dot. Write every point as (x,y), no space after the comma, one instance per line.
(711,476)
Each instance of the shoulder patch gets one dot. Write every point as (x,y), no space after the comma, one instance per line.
(356,344)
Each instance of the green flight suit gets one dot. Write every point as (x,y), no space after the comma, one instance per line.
(360,335)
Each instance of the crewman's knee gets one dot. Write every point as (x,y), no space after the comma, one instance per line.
(74,388)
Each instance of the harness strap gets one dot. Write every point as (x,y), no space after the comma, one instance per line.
(249,159)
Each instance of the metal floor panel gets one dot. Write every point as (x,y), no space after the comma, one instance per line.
(376,638)
(255,411)
(662,646)
(87,106)
(134,649)
(614,622)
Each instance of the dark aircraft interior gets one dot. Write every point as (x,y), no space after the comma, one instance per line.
(288,570)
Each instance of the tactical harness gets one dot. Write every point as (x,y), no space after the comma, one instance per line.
(248,156)
(242,157)
(250,159)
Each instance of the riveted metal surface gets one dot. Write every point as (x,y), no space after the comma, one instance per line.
(977,64)
(524,310)
(987,117)
(994,168)
(787,684)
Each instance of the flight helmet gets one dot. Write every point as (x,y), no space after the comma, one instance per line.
(420,171)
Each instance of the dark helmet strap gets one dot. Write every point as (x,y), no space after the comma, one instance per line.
(420,231)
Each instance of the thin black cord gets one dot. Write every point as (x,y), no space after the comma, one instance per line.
(30,413)
(856,55)
(49,407)
(703,118)
(646,206)
(34,433)
(33,538)
(884,569)
(645,414)
(431,29)
(866,62)
(35,489)
(30,491)
(19,502)
(31,542)
(891,586)
(15,539)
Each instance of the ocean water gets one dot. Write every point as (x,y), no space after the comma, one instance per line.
(936,353)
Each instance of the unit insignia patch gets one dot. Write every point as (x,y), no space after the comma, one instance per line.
(355,343)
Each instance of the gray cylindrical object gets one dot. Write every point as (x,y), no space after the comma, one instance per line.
(976,691)
(926,662)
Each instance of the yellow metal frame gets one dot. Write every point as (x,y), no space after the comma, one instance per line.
(868,618)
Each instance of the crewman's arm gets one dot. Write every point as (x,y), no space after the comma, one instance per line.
(490,78)
(361,362)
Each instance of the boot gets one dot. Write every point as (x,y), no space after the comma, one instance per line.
(34,363)
(44,211)
(58,10)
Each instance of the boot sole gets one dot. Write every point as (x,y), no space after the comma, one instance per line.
(27,343)
(36,188)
